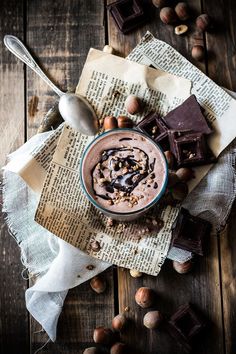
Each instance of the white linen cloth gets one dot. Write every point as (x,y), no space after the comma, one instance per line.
(59,264)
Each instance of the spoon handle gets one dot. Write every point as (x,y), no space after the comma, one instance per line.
(17,47)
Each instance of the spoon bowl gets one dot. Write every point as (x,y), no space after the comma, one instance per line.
(78,113)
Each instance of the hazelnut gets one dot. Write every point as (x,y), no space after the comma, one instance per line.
(185,174)
(135,273)
(119,322)
(108,49)
(91,350)
(152,319)
(203,22)
(182,268)
(98,284)
(145,297)
(124,122)
(197,38)
(159,3)
(169,158)
(198,52)
(168,198)
(95,246)
(173,179)
(110,123)
(179,191)
(181,29)
(132,104)
(182,11)
(119,348)
(167,15)
(102,335)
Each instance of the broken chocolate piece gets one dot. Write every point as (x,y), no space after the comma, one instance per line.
(189,232)
(184,325)
(188,116)
(128,14)
(153,125)
(190,149)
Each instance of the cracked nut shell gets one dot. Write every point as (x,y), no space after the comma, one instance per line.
(108,49)
(181,29)
(145,297)
(135,273)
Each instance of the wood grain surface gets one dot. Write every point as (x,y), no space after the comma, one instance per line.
(59,34)
(14,334)
(201,287)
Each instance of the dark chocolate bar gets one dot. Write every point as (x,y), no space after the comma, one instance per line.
(189,232)
(128,14)
(184,325)
(190,149)
(153,125)
(188,116)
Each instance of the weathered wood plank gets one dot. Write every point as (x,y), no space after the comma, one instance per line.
(221,67)
(201,287)
(221,42)
(14,318)
(228,254)
(60,34)
(83,311)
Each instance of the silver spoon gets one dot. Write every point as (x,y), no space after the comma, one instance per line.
(74,109)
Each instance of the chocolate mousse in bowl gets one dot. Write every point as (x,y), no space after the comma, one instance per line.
(123,173)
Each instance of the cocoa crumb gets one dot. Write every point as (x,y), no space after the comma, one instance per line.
(110,222)
(90,267)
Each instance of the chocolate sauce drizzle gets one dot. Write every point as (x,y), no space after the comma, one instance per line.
(120,173)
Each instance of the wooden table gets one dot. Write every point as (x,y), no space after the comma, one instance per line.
(60,33)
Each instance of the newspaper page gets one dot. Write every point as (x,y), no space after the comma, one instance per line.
(219,106)
(106,81)
(64,210)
